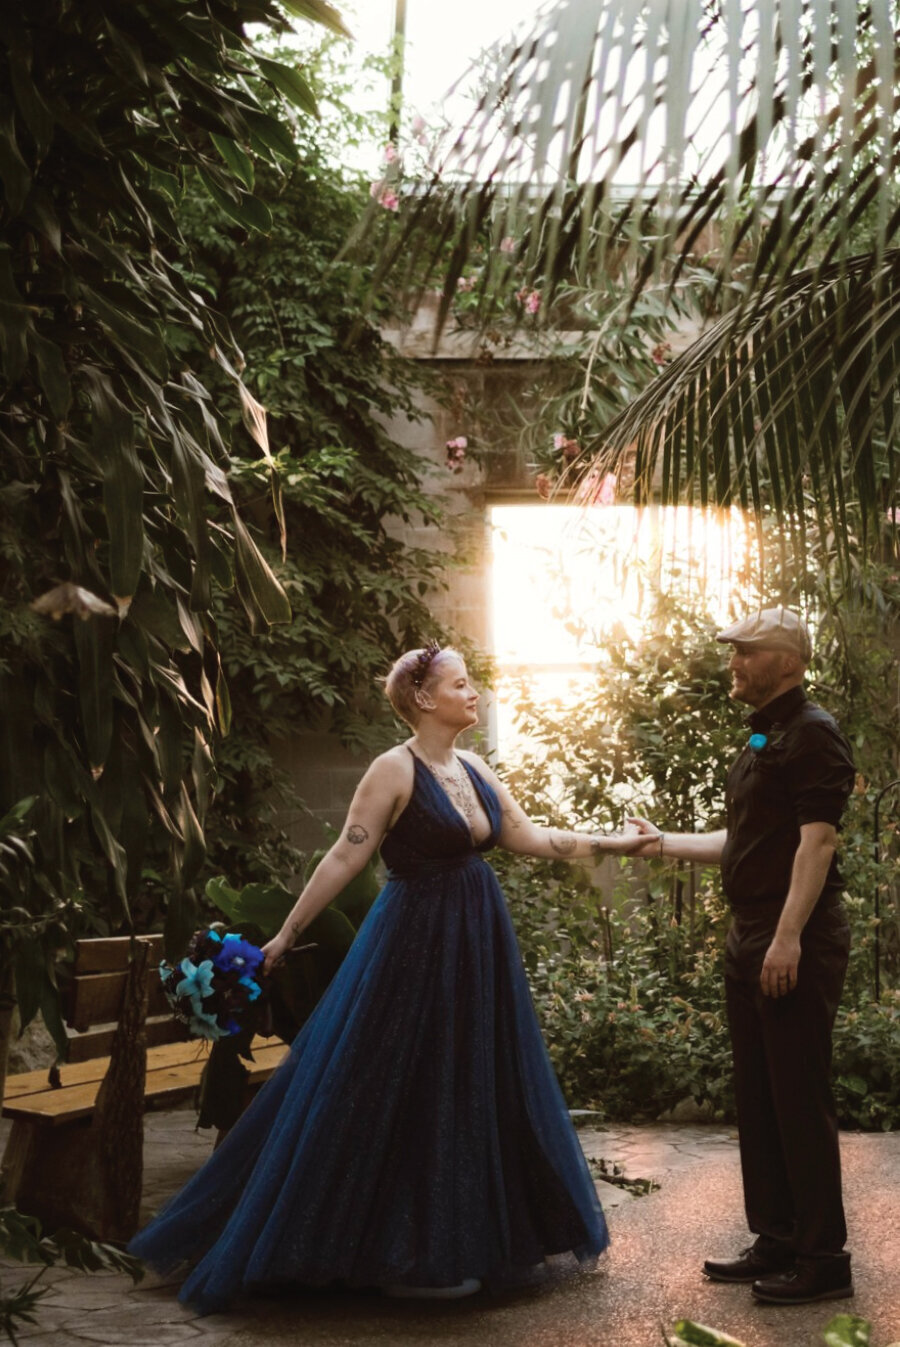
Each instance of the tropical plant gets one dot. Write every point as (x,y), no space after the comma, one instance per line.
(844,1330)
(23,1241)
(258,911)
(759,136)
(626,976)
(113,456)
(334,392)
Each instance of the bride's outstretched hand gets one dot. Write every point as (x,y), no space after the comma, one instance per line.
(647,836)
(628,842)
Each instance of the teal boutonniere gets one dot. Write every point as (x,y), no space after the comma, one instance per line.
(757,742)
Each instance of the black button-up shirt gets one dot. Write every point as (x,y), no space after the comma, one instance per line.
(803,774)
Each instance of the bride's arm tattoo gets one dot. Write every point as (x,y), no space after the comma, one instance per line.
(563,846)
(357,834)
(511,819)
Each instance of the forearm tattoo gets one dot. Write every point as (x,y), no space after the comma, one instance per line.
(357,834)
(563,846)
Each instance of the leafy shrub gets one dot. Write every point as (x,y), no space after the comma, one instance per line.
(628,983)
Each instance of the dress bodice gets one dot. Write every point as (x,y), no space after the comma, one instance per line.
(431,831)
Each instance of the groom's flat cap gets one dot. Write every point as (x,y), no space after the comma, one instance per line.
(771,629)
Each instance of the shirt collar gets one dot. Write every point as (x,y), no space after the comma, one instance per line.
(777,711)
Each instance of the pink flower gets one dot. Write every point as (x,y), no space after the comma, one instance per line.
(384,195)
(456,453)
(390,153)
(466,283)
(418,128)
(543,486)
(508,245)
(568,448)
(660,354)
(597,490)
(529,299)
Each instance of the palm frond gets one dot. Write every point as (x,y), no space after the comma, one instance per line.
(801,386)
(635,124)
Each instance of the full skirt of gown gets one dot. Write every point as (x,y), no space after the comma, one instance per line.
(415,1134)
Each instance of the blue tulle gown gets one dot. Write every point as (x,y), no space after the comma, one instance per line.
(416,1134)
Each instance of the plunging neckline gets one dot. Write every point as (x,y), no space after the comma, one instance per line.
(475,781)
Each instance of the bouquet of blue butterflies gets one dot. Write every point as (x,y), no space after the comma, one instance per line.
(215,988)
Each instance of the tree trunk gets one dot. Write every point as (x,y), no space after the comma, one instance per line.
(88,1175)
(7,1010)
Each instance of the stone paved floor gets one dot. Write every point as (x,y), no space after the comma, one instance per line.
(648,1279)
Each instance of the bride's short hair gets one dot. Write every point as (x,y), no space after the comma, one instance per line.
(411,675)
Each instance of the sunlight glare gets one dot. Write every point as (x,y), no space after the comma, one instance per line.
(567,581)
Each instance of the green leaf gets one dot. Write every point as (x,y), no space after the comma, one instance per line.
(261,593)
(318,11)
(30,976)
(244,209)
(194,849)
(237,160)
(223,896)
(271,134)
(14,172)
(15,328)
(290,83)
(847,1330)
(112,438)
(94,643)
(35,113)
(698,1335)
(331,930)
(263,905)
(52,374)
(145,342)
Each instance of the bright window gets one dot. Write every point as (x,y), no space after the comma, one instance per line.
(565,580)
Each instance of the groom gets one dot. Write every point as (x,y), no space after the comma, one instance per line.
(785,961)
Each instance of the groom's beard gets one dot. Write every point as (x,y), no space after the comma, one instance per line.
(758,686)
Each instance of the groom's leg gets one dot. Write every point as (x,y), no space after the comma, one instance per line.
(767,1192)
(797,1030)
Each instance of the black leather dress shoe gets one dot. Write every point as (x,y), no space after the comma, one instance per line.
(810,1279)
(749,1266)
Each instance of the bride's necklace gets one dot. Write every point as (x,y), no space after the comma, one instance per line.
(458,787)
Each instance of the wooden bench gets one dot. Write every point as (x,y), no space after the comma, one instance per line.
(51,1114)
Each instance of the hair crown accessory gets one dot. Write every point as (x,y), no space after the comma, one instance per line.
(423,663)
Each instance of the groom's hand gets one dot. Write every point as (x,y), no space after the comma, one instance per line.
(779,970)
(646,842)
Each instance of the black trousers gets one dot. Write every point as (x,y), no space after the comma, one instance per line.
(787,1122)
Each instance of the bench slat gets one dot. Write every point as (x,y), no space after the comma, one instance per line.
(171,1070)
(97,1042)
(109,954)
(96,998)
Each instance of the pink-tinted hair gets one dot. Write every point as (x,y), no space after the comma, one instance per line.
(405,680)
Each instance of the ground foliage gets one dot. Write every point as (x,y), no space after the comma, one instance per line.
(627,977)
